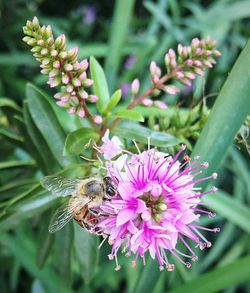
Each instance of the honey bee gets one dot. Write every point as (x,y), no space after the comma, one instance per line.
(85,196)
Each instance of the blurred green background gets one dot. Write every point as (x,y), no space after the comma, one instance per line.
(124,36)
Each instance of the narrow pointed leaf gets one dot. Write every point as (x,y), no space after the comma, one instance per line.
(46,121)
(100,84)
(228,114)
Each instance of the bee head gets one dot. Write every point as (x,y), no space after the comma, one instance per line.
(110,189)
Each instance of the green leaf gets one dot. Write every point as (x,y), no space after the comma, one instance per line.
(219,279)
(141,134)
(46,121)
(230,208)
(86,246)
(76,140)
(45,241)
(129,114)
(119,31)
(64,245)
(6,102)
(227,115)
(16,164)
(114,100)
(43,154)
(25,254)
(148,278)
(10,135)
(100,85)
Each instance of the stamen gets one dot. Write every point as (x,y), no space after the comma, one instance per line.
(138,150)
(200,235)
(104,239)
(185,243)
(117,268)
(183,147)
(213,176)
(205,229)
(148,143)
(170,267)
(210,214)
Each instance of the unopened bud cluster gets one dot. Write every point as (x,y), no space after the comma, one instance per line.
(185,65)
(185,125)
(62,67)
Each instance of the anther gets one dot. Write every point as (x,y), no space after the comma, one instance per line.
(188,265)
(214,175)
(214,189)
(216,230)
(194,257)
(211,215)
(205,165)
(170,267)
(161,268)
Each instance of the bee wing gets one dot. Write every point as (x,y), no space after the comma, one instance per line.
(65,213)
(60,186)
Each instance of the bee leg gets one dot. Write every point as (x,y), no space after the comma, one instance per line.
(94,212)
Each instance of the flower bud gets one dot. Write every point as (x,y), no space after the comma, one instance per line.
(135,86)
(98,119)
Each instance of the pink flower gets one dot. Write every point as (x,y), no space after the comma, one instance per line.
(155,208)
(110,147)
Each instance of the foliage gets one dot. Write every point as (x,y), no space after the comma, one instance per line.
(38,138)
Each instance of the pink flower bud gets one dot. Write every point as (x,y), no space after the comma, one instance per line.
(83,76)
(44,51)
(93,98)
(135,86)
(98,119)
(61,103)
(147,102)
(160,105)
(69,88)
(180,49)
(56,64)
(55,81)
(88,82)
(190,75)
(198,51)
(167,59)
(171,89)
(173,63)
(153,67)
(83,94)
(198,63)
(65,79)
(171,53)
(195,42)
(190,62)
(154,79)
(84,64)
(199,72)
(81,113)
(71,111)
(68,67)
(73,52)
(53,53)
(208,64)
(76,82)
(179,75)
(53,73)
(216,53)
